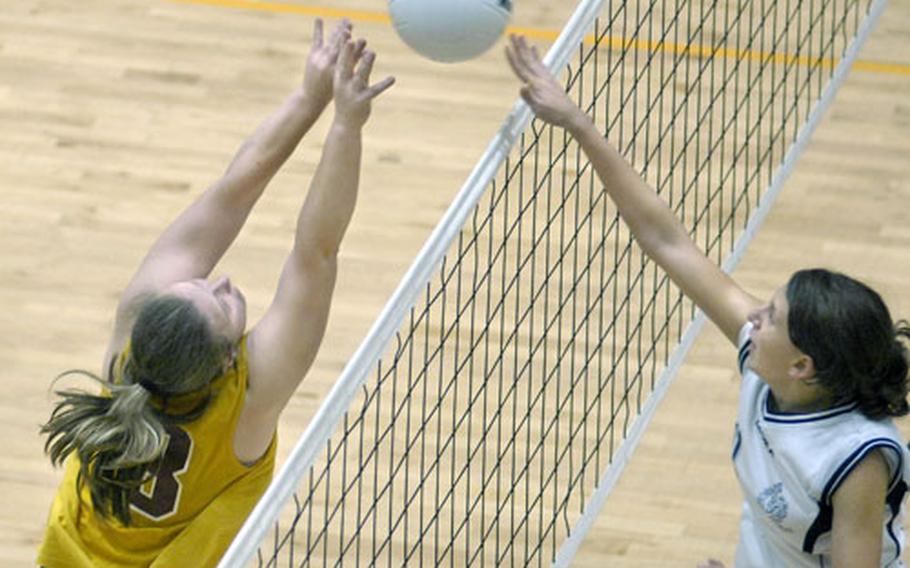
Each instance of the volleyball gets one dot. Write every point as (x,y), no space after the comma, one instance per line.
(450,30)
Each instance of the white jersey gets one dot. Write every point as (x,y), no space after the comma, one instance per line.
(790,465)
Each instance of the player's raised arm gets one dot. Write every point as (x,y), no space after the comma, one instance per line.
(657,230)
(283,344)
(195,241)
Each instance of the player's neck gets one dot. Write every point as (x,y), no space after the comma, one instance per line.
(805,401)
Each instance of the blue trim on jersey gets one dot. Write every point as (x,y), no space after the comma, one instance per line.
(820,526)
(857,456)
(743,355)
(894,499)
(737,440)
(822,522)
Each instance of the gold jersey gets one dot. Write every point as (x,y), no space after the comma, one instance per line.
(187,515)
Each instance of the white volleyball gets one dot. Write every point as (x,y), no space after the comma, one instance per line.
(450,30)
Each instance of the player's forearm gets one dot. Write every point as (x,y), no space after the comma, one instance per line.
(329,205)
(208,227)
(268,148)
(650,220)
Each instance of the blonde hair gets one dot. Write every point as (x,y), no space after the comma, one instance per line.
(119,437)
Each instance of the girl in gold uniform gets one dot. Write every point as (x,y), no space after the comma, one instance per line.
(164,464)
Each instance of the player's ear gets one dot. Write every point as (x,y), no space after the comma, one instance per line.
(803,369)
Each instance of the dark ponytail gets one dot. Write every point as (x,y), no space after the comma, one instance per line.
(857,350)
(887,395)
(120,438)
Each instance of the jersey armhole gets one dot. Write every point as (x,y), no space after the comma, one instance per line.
(894,459)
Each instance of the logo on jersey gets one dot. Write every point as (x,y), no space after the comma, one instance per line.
(774,503)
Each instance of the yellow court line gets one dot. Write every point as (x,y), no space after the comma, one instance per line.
(322,12)
(549,35)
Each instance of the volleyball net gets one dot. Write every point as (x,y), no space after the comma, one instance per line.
(494,403)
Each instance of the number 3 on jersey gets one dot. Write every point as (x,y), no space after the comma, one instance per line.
(160,497)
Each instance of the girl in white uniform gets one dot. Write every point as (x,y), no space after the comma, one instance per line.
(790,465)
(822,467)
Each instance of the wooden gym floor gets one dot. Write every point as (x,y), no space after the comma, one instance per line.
(115,112)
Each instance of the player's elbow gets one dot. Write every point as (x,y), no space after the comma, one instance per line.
(316,251)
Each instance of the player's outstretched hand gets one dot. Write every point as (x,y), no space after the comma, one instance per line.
(320,65)
(540,90)
(353,91)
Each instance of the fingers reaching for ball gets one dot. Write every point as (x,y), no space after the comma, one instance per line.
(353,91)
(540,89)
(518,54)
(317,79)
